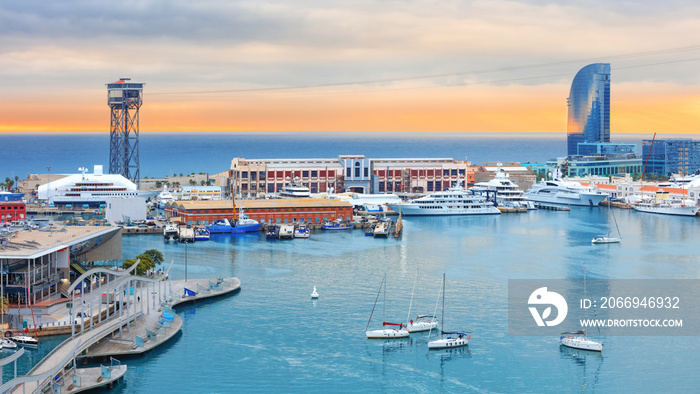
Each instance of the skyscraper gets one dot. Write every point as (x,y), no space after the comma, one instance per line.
(589,107)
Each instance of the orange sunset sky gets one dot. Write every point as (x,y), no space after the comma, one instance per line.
(347,66)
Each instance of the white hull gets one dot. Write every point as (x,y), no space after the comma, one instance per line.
(581,343)
(688,210)
(25,341)
(387,333)
(605,240)
(448,342)
(422,326)
(286,231)
(415,210)
(578,199)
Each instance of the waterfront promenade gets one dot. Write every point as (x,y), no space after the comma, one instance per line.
(117,335)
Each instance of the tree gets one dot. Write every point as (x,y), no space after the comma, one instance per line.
(147,261)
(192,182)
(159,184)
(203,182)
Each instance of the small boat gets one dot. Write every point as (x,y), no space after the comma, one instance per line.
(605,240)
(578,340)
(381,230)
(25,340)
(338,225)
(201,234)
(286,231)
(385,333)
(7,344)
(423,323)
(314,294)
(273,231)
(369,231)
(171,232)
(448,339)
(302,231)
(608,239)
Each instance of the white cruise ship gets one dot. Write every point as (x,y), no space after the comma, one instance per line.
(89,189)
(507,193)
(454,201)
(164,198)
(558,191)
(294,190)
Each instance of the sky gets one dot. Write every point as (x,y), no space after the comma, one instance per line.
(356,65)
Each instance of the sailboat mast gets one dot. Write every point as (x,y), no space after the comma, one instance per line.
(442,319)
(375,303)
(641,182)
(410,304)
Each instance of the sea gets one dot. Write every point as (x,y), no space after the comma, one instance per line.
(272,337)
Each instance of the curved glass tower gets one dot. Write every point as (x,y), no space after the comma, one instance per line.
(589,107)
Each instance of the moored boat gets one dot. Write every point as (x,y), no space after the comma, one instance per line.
(201,234)
(171,232)
(558,191)
(25,340)
(454,201)
(578,340)
(286,231)
(338,225)
(423,323)
(302,231)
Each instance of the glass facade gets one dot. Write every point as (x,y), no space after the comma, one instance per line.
(589,107)
(675,155)
(604,148)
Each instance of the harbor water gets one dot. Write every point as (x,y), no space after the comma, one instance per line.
(272,337)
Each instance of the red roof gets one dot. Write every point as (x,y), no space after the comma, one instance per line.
(607,186)
(674,190)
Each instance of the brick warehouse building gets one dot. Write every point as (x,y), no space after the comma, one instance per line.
(12,210)
(310,210)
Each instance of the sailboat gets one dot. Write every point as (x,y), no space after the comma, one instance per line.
(422,322)
(448,339)
(385,333)
(608,239)
(4,342)
(26,340)
(578,339)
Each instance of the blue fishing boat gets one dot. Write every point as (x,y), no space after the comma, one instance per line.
(338,225)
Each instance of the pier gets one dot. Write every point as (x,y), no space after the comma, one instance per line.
(143,319)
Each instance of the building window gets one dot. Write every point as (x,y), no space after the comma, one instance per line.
(253,176)
(348,172)
(314,174)
(366,172)
(305,174)
(430,186)
(244,174)
(454,172)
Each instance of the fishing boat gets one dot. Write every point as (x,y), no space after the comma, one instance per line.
(578,340)
(448,339)
(338,225)
(302,231)
(273,231)
(243,225)
(201,234)
(608,239)
(385,333)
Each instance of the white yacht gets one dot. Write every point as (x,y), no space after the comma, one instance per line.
(423,323)
(294,190)
(578,340)
(454,201)
(662,204)
(558,191)
(89,189)
(507,193)
(164,198)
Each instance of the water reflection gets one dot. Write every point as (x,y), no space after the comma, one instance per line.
(588,363)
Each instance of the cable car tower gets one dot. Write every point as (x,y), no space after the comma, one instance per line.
(124,99)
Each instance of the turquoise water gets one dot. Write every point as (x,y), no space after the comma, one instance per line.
(271,337)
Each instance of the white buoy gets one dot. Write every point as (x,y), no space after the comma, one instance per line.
(314,294)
